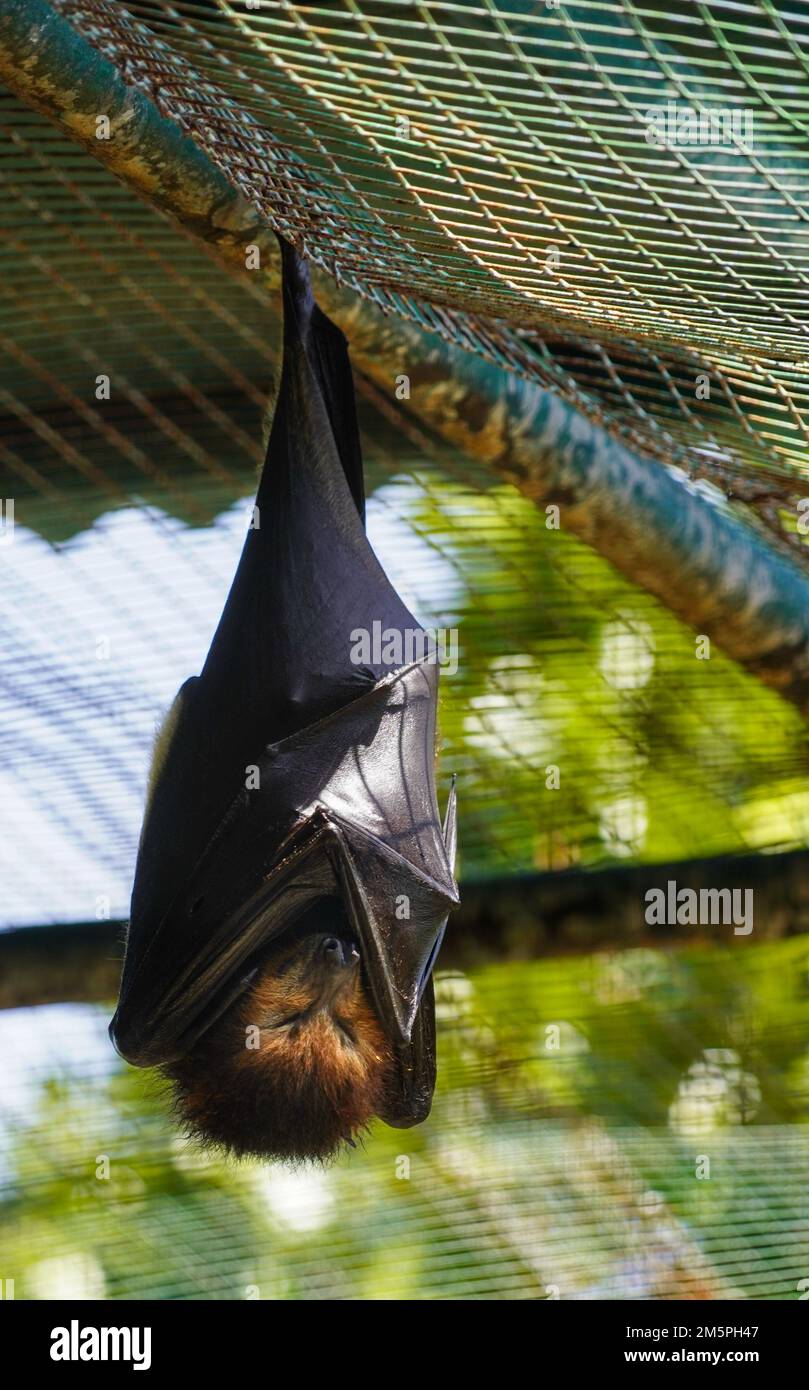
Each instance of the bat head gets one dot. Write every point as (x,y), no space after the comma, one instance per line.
(299,1065)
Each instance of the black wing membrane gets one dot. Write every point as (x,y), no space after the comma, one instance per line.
(291,772)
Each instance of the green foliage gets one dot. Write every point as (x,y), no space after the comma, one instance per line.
(660,754)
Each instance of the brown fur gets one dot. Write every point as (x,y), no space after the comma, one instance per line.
(261,1084)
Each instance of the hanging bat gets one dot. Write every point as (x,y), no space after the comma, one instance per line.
(294,879)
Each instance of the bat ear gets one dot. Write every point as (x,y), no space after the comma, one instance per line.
(450,827)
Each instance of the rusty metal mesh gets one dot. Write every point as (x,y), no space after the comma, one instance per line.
(498,171)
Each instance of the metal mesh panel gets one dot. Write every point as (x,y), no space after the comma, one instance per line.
(560,1162)
(545,1171)
(488,170)
(130,514)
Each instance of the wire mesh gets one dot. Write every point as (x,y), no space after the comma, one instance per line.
(433,155)
(130,515)
(559,1161)
(609,197)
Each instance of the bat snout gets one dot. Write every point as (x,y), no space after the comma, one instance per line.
(337,954)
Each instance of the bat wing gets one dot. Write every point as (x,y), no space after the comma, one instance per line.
(292,772)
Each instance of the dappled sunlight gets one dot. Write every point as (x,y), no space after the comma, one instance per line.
(627,653)
(717,1091)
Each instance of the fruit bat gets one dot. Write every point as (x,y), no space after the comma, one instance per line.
(291,837)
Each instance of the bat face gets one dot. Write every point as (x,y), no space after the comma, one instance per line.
(299,1065)
(310,1013)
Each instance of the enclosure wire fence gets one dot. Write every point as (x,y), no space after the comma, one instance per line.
(573,1171)
(130,513)
(488,171)
(539,1175)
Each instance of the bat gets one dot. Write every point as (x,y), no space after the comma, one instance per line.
(294,877)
